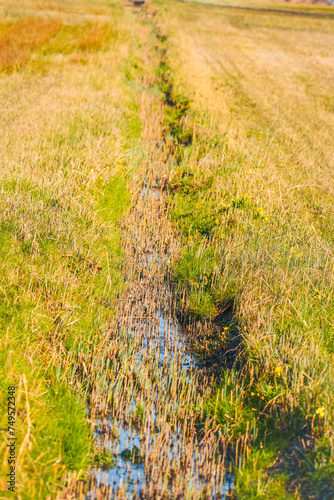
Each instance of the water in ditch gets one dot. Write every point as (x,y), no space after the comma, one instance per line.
(129,444)
(158,443)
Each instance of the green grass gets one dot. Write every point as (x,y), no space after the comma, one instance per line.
(57,322)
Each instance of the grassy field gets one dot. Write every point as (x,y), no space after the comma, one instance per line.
(247,105)
(65,135)
(253,196)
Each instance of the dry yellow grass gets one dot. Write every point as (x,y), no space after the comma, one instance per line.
(93,38)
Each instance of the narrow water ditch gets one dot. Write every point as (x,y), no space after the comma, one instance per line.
(148,418)
(151,430)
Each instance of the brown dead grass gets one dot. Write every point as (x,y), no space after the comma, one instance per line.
(19,40)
